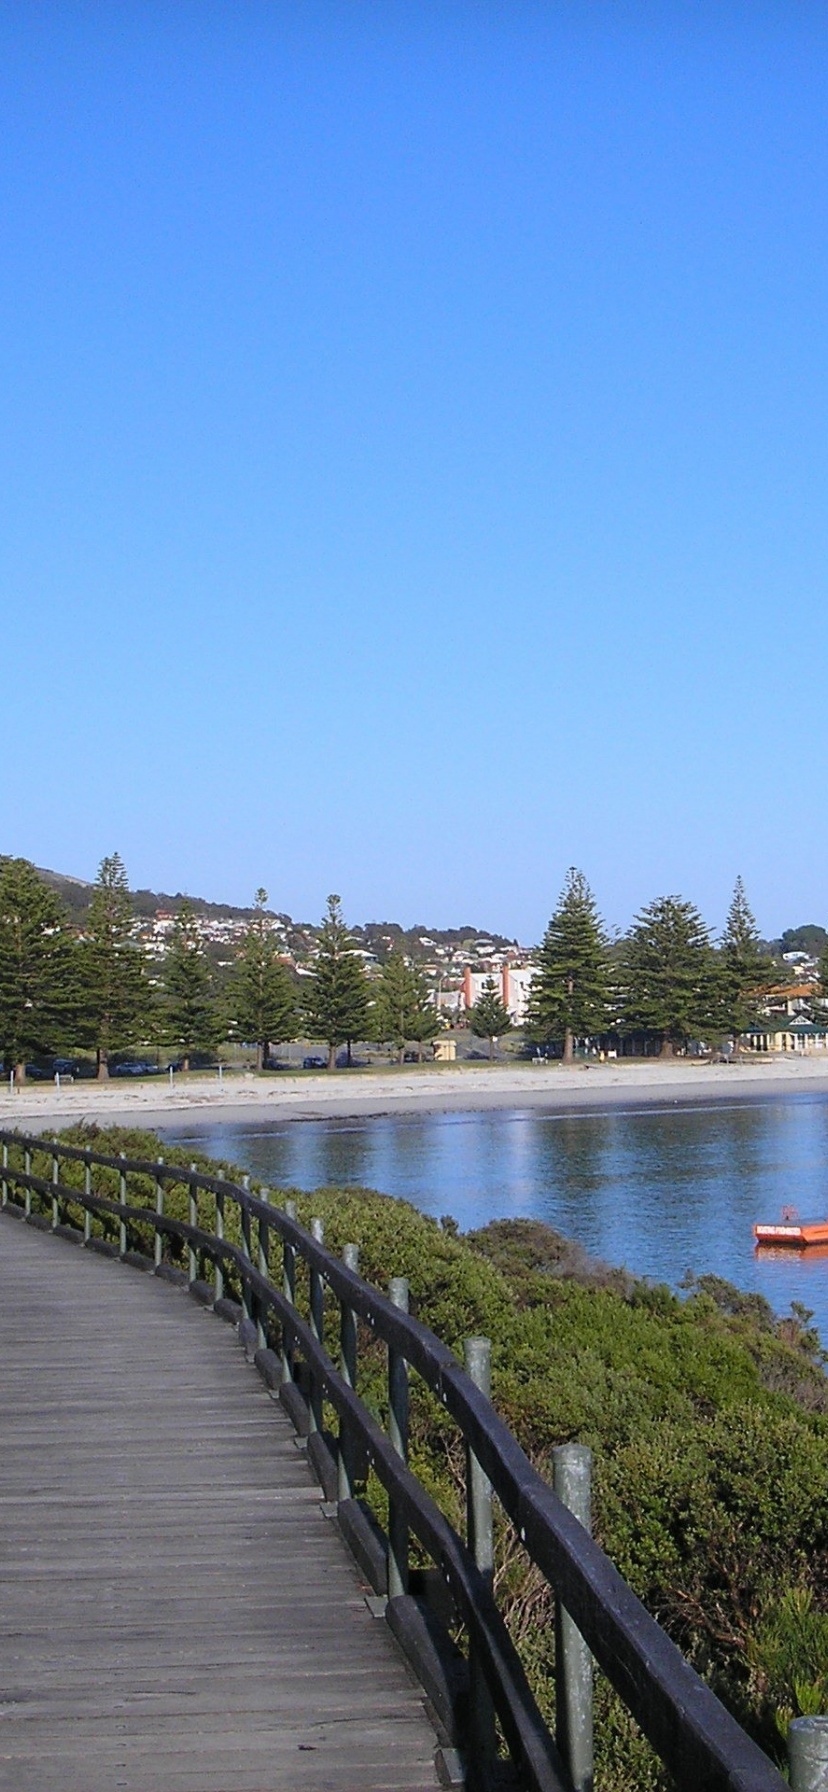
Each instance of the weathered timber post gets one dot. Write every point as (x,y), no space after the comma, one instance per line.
(398,1435)
(289,1291)
(247,1250)
(192,1214)
(218,1276)
(27,1166)
(122,1195)
(87,1211)
(572,1481)
(348,1366)
(263,1233)
(808,1754)
(317,1325)
(55,1181)
(158,1242)
(480,1534)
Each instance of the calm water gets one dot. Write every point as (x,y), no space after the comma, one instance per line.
(659,1191)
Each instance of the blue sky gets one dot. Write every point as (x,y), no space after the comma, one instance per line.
(413,452)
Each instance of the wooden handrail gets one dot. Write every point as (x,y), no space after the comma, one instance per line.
(700,1742)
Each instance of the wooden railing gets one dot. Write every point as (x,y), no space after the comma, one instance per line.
(700,1743)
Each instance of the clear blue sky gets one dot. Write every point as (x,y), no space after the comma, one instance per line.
(413,451)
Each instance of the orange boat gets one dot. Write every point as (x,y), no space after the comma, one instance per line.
(791,1231)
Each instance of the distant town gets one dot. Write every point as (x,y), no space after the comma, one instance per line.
(456,961)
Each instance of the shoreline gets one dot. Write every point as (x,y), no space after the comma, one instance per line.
(354,1095)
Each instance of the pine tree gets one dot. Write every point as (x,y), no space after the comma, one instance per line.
(338,1002)
(403,1010)
(669,974)
(490,1018)
(745,971)
(191,1018)
(116,994)
(570,993)
(260,997)
(38,965)
(422,1014)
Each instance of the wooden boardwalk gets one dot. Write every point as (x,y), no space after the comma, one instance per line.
(177,1613)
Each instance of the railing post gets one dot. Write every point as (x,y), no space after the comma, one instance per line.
(808,1754)
(264,1269)
(317,1325)
(398,1435)
(192,1214)
(572,1481)
(158,1246)
(87,1212)
(218,1276)
(289,1290)
(480,1533)
(247,1298)
(122,1195)
(348,1366)
(27,1166)
(5,1186)
(55,1181)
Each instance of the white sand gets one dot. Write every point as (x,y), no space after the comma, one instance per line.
(272,1100)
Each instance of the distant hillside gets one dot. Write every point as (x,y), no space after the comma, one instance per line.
(379,937)
(145,902)
(76,895)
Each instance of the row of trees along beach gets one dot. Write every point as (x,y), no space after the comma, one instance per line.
(91,988)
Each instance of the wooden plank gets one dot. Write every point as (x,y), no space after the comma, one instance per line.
(176,1614)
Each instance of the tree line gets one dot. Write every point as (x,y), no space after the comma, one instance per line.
(95,992)
(661,986)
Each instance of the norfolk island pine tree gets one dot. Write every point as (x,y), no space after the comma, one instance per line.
(338,1001)
(670,980)
(745,970)
(191,1019)
(490,1018)
(116,991)
(39,969)
(570,996)
(261,1000)
(402,1009)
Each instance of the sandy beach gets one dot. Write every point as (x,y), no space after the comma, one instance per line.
(277,1099)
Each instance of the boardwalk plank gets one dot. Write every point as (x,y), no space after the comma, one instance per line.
(176,1613)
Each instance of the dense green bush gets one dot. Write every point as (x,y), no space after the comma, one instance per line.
(708,1418)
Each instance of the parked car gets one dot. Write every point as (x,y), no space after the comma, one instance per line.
(314,1063)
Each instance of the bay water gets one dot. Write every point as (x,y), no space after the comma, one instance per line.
(662,1190)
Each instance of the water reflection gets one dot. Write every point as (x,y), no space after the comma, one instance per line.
(663,1191)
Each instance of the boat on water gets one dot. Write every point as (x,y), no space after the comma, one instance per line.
(791,1231)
